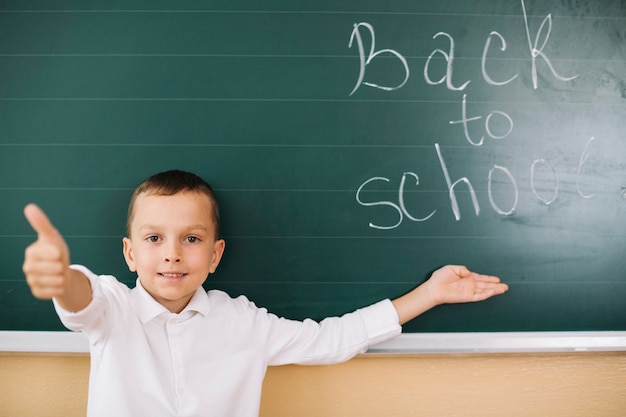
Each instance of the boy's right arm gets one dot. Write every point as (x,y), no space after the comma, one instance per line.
(46,266)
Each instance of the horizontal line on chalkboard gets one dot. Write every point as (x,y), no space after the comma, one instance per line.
(198,55)
(208,55)
(321,100)
(146,55)
(224,145)
(215,283)
(222,99)
(301,100)
(235,190)
(227,282)
(413,237)
(420,237)
(337,12)
(65,236)
(244,190)
(64,189)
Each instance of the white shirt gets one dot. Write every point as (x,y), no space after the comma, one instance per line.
(208,360)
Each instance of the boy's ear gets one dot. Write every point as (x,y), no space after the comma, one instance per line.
(128,254)
(218,251)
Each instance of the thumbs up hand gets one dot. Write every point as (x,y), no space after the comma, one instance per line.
(46,261)
(46,265)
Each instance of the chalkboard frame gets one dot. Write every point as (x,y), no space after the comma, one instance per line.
(410,343)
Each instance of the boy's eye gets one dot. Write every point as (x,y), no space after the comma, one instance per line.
(192,239)
(152,239)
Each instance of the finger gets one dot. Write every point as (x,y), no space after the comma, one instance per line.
(45,280)
(42,267)
(491,290)
(41,224)
(43,251)
(486,278)
(46,292)
(497,288)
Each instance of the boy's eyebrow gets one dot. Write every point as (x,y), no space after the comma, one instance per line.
(198,226)
(150,226)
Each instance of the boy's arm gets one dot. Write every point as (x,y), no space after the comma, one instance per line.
(46,266)
(450,284)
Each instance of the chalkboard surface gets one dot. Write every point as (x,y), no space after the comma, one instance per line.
(355,147)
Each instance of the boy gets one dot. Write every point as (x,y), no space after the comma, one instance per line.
(167,347)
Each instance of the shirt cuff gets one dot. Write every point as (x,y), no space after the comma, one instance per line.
(381,321)
(74,320)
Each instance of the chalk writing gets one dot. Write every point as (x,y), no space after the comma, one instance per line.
(581,162)
(483,61)
(399,208)
(379,203)
(497,125)
(401,198)
(490,192)
(535,52)
(536,49)
(453,187)
(464,121)
(555,193)
(356,34)
(449,57)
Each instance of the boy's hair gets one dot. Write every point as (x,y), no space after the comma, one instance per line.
(170,183)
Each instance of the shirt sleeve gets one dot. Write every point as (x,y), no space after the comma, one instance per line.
(91,319)
(332,340)
(381,322)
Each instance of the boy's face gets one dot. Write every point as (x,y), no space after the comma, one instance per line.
(172,246)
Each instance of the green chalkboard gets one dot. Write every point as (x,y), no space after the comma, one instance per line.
(354,146)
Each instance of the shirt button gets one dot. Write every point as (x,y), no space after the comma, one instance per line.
(181,390)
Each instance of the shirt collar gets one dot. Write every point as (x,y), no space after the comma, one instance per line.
(148,308)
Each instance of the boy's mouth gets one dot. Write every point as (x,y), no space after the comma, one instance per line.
(173,275)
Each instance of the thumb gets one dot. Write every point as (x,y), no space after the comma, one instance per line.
(40,222)
(462,271)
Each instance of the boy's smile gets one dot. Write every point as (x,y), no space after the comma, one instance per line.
(171,275)
(172,246)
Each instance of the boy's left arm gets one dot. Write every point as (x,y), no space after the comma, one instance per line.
(450,284)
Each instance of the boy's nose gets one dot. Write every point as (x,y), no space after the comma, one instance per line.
(173,259)
(172,254)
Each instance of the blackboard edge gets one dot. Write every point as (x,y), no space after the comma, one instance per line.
(502,342)
(409,343)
